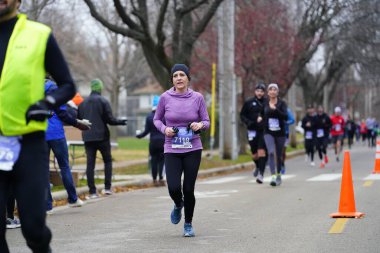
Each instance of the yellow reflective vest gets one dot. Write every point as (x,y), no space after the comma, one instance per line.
(22,77)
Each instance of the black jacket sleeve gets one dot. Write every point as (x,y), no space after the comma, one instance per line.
(282,110)
(243,114)
(107,114)
(56,66)
(66,117)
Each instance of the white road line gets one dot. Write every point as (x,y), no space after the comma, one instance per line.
(222,180)
(325,177)
(208,194)
(372,177)
(268,179)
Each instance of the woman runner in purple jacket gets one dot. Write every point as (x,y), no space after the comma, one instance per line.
(185,115)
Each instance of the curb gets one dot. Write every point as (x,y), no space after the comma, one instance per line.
(62,195)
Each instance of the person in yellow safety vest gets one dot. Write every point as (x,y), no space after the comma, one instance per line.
(28,50)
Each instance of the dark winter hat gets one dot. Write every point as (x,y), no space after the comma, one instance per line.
(180,67)
(260,86)
(96,85)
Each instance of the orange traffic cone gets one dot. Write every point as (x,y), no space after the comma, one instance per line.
(376,170)
(347,199)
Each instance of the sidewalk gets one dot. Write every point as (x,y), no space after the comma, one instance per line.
(145,180)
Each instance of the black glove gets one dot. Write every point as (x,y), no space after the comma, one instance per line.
(122,122)
(39,111)
(138,136)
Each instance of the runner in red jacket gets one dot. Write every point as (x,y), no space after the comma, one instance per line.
(337,131)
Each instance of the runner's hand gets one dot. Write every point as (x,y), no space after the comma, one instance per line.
(169,132)
(196,126)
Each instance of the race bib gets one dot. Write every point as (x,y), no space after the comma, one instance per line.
(338,127)
(309,135)
(183,138)
(320,133)
(274,124)
(251,135)
(9,151)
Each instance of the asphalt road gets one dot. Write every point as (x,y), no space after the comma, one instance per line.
(233,214)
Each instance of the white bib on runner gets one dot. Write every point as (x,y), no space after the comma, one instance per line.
(183,138)
(251,135)
(10,148)
(320,133)
(309,135)
(274,124)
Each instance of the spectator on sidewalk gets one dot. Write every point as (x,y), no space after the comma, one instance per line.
(56,140)
(156,145)
(98,111)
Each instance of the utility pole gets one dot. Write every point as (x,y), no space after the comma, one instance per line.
(228,145)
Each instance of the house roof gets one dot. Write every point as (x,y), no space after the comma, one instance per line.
(149,87)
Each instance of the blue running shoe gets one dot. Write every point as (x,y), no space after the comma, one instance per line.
(176,214)
(283,169)
(188,230)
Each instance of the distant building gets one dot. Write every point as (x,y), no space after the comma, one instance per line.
(139,104)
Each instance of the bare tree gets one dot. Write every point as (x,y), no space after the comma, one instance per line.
(176,19)
(352,41)
(34,8)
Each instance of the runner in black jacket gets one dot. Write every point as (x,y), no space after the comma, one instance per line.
(308,124)
(322,126)
(252,116)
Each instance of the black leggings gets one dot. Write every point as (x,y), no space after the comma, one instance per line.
(28,180)
(156,151)
(309,147)
(188,163)
(11,204)
(321,146)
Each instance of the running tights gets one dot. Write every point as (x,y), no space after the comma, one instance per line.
(309,147)
(321,147)
(274,144)
(188,164)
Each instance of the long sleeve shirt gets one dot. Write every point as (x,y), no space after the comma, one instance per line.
(178,110)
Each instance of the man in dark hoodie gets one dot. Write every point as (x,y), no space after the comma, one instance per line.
(98,111)
(252,116)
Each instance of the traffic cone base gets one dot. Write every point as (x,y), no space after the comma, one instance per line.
(347,215)
(347,207)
